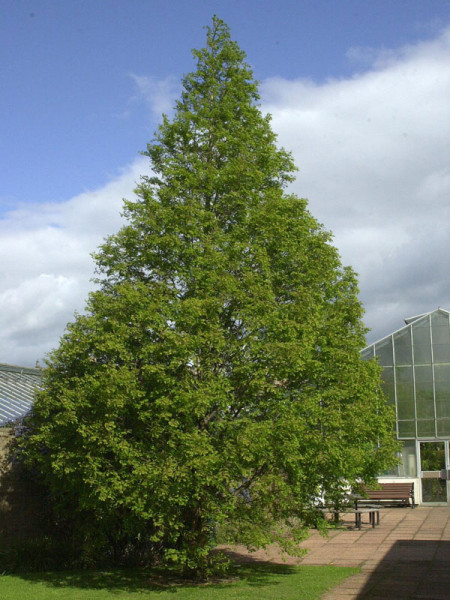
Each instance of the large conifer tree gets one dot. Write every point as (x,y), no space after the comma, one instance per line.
(215,375)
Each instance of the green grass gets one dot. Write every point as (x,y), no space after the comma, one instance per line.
(250,582)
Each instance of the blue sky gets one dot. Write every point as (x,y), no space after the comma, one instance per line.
(72,116)
(358,91)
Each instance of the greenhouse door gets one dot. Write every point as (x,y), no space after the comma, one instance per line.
(434,461)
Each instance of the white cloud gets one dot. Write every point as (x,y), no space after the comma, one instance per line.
(158,94)
(46,269)
(373,156)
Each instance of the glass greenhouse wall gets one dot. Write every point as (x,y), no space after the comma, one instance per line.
(416,380)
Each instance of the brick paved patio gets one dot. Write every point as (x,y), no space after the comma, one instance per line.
(406,557)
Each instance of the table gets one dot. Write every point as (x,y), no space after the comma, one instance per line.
(374,515)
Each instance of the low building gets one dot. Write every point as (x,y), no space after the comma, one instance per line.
(22,504)
(416,380)
(17,389)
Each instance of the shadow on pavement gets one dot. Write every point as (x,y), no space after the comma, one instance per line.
(414,569)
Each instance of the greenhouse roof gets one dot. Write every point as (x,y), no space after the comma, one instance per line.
(409,321)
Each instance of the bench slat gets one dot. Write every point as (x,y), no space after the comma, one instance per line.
(391,491)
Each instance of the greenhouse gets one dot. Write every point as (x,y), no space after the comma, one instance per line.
(416,380)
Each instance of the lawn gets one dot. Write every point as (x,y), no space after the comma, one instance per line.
(251,581)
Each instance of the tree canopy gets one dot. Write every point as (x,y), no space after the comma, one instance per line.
(215,375)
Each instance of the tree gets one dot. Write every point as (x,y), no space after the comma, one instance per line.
(215,375)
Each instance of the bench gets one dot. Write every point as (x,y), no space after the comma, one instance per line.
(389,492)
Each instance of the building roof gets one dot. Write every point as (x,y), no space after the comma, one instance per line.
(409,321)
(17,388)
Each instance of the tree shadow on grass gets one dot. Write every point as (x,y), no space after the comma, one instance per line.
(254,573)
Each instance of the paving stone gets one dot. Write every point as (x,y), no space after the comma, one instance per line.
(406,557)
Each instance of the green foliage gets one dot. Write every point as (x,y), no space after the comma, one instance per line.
(215,375)
(30,554)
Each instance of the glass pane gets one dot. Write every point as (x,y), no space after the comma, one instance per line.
(406,410)
(367,353)
(403,355)
(423,374)
(425,400)
(425,429)
(402,345)
(432,456)
(424,392)
(408,466)
(406,429)
(404,375)
(441,353)
(384,351)
(442,389)
(439,319)
(387,380)
(443,426)
(434,490)
(423,322)
(440,329)
(441,335)
(442,373)
(422,354)
(443,408)
(405,393)
(422,342)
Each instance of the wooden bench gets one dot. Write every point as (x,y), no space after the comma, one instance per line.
(389,492)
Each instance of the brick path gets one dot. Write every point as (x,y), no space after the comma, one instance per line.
(406,557)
